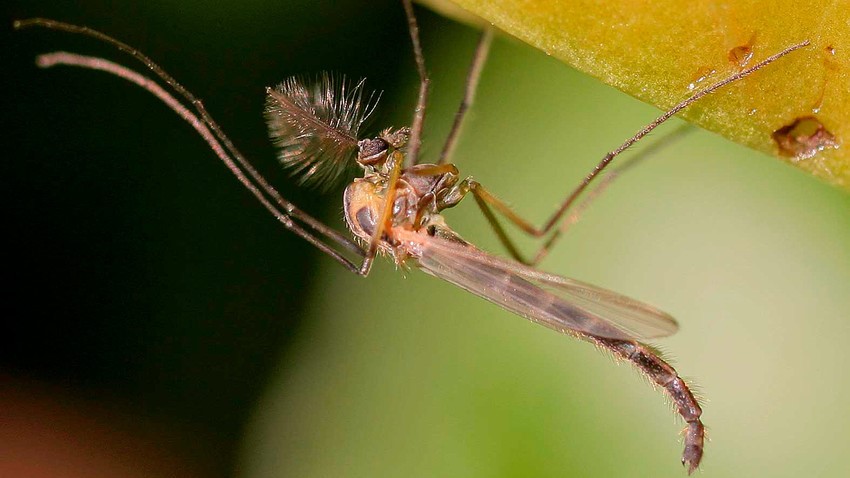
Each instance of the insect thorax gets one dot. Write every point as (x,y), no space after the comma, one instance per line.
(421,191)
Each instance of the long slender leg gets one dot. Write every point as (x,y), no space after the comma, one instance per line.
(524,225)
(289,208)
(71,59)
(571,219)
(472,77)
(415,141)
(601,185)
(386,216)
(657,122)
(575,212)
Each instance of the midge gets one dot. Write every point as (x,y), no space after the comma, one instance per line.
(395,208)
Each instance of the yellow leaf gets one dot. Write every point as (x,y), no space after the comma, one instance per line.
(797,109)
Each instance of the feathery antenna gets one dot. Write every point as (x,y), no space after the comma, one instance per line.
(316,127)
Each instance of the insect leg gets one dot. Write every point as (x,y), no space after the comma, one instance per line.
(557,216)
(415,141)
(472,77)
(386,216)
(282,215)
(601,185)
(290,209)
(486,200)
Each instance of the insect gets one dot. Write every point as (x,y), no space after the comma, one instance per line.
(395,207)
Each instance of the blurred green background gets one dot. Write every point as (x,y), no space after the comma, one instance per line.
(150,290)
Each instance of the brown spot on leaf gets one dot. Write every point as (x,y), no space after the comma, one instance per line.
(803,138)
(740,55)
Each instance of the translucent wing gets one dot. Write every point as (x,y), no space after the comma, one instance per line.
(559,303)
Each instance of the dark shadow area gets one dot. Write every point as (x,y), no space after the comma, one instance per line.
(139,275)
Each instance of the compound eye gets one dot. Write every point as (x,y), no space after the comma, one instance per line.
(372,151)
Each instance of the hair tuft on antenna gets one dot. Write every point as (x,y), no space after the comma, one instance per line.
(316,127)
